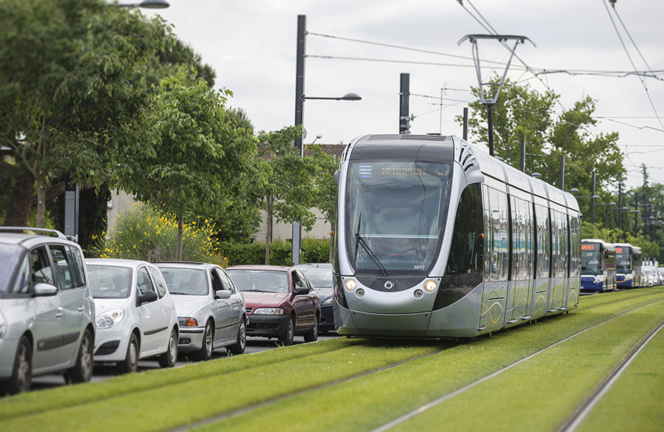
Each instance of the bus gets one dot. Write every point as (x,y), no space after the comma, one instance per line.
(628,265)
(598,265)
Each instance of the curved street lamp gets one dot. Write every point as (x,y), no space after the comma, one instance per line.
(147,4)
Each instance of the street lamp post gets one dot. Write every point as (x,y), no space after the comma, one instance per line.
(299,111)
(592,199)
(608,206)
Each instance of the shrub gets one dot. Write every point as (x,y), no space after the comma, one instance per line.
(313,251)
(143,233)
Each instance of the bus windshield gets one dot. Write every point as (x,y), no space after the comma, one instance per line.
(623,262)
(591,259)
(396,211)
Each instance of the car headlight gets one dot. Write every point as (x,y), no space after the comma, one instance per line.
(187,322)
(269,311)
(327,302)
(109,319)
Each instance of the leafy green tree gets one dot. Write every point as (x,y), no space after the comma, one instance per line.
(289,191)
(326,188)
(69,73)
(524,114)
(196,159)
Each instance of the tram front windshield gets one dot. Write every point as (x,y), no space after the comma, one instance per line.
(591,259)
(623,261)
(395,215)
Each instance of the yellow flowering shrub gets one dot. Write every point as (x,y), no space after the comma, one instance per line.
(144,233)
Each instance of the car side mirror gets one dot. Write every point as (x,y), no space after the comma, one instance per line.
(299,290)
(43,289)
(222,294)
(148,297)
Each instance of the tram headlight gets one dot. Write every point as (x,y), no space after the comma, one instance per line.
(350,284)
(430,285)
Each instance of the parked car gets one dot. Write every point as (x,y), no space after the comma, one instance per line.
(648,277)
(136,316)
(46,309)
(660,273)
(280,302)
(320,276)
(210,308)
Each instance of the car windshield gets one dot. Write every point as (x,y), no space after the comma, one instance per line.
(184,281)
(259,280)
(9,255)
(109,281)
(320,277)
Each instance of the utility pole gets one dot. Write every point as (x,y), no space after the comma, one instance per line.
(592,200)
(562,174)
(404,104)
(523,155)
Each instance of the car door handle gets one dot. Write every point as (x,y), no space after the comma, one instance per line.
(81,308)
(59,312)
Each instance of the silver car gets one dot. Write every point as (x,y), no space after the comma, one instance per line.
(46,309)
(210,308)
(136,317)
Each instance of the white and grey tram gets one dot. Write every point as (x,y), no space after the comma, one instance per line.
(437,239)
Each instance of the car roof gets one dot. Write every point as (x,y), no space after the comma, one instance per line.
(309,265)
(116,262)
(259,267)
(186,264)
(31,240)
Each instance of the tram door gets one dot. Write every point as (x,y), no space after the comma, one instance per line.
(543,237)
(559,246)
(520,287)
(496,259)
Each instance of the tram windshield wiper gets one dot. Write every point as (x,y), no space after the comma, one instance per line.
(360,240)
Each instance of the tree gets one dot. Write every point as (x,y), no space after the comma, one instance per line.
(196,160)
(72,74)
(289,191)
(522,113)
(326,187)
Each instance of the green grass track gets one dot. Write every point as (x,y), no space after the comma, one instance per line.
(289,388)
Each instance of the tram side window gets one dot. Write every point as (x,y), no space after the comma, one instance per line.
(498,220)
(521,239)
(559,237)
(543,241)
(575,252)
(466,254)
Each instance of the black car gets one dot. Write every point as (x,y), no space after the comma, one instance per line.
(320,276)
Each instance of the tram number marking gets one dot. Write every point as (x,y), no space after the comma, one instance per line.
(418,267)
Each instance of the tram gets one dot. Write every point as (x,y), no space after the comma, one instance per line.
(598,265)
(438,239)
(628,265)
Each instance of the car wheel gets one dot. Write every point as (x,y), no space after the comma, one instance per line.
(287,338)
(130,363)
(312,335)
(21,378)
(82,371)
(169,358)
(205,352)
(239,346)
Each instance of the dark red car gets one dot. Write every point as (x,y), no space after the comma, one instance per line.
(280,302)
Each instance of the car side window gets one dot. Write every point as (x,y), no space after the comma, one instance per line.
(40,266)
(22,280)
(143,282)
(225,280)
(159,281)
(77,265)
(63,268)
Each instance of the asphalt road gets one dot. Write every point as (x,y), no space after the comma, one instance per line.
(101,372)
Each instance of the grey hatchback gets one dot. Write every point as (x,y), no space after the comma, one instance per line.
(46,309)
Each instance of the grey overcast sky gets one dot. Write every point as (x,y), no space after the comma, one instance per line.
(363,46)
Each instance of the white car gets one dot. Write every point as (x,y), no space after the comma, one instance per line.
(136,316)
(211,310)
(46,309)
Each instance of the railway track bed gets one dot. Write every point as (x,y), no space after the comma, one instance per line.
(539,377)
